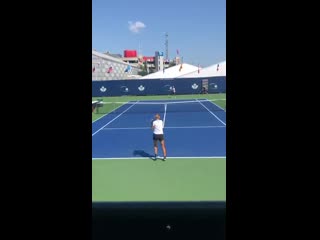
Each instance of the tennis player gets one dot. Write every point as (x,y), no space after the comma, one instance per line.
(157,127)
(173,90)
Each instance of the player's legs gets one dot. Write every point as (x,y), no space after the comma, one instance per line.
(164,149)
(155,146)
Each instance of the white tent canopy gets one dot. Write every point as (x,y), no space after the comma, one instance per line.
(172,72)
(215,70)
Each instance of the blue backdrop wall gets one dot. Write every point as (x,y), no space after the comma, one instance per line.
(157,86)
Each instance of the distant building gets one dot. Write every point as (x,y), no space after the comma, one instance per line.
(130,56)
(101,63)
(159,61)
(116,55)
(177,60)
(107,67)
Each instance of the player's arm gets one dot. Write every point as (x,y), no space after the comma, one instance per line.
(152,126)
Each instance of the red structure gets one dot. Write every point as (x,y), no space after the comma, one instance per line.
(130,53)
(148,59)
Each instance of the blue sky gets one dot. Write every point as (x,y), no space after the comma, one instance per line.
(196,28)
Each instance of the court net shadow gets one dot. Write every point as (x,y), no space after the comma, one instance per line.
(142,153)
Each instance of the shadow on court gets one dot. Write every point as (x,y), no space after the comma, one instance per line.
(142,153)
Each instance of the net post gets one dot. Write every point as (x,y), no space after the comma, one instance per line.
(100,100)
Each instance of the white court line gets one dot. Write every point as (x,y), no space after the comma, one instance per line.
(211,112)
(138,128)
(159,100)
(109,112)
(165,113)
(158,157)
(114,119)
(216,104)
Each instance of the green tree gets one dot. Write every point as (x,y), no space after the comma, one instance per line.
(143,69)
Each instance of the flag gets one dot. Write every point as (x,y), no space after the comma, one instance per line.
(109,70)
(218,67)
(128,69)
(177,51)
(180,68)
(198,68)
(94,69)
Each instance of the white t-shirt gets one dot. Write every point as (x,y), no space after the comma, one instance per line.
(158,126)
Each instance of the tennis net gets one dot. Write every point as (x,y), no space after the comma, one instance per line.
(195,105)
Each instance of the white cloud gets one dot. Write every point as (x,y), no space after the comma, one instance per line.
(136,26)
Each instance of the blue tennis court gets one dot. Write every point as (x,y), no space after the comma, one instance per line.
(193,128)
